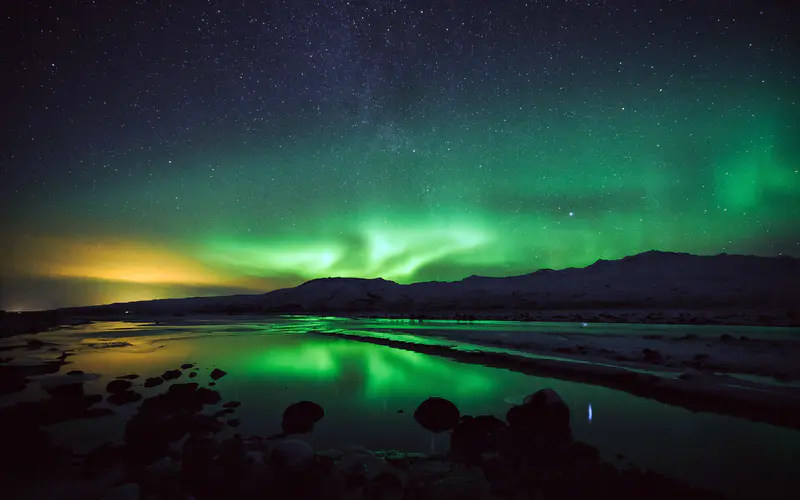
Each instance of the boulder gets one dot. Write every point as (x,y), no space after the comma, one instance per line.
(300,418)
(124,397)
(437,414)
(171,374)
(217,374)
(474,436)
(153,381)
(118,385)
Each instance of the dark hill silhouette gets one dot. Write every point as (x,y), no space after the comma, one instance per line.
(651,281)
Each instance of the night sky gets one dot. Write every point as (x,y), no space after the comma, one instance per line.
(157,149)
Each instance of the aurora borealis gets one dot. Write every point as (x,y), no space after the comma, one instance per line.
(165,149)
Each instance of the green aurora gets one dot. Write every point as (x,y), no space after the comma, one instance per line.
(500,167)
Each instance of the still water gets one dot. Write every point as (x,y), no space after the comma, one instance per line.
(363,387)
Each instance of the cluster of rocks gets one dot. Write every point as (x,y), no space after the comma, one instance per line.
(172,450)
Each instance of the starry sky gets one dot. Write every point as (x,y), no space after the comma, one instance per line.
(161,148)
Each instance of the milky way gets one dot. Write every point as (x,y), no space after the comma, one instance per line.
(196,148)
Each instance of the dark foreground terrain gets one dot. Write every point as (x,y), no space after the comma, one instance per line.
(171,451)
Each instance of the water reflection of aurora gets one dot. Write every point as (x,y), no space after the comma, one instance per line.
(382,370)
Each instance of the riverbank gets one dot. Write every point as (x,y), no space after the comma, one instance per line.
(171,450)
(698,390)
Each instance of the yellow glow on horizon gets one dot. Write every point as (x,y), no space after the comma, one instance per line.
(122,262)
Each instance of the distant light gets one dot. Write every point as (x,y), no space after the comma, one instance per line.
(571,214)
(584,324)
(127,312)
(590,412)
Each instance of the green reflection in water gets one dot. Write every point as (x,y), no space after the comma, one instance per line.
(381,370)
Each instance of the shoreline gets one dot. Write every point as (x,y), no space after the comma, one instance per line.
(698,394)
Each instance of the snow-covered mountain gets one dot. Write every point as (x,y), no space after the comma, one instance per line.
(647,281)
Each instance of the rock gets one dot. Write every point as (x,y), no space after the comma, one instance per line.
(124,397)
(116,386)
(217,374)
(232,404)
(75,372)
(153,381)
(66,392)
(212,384)
(437,414)
(127,491)
(208,396)
(474,436)
(171,374)
(192,374)
(291,454)
(186,366)
(131,376)
(541,422)
(300,418)
(652,356)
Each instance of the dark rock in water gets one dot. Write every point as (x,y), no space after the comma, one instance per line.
(66,392)
(541,423)
(116,386)
(131,376)
(153,381)
(192,374)
(234,422)
(171,374)
(124,397)
(186,390)
(437,415)
(474,436)
(217,374)
(186,366)
(652,356)
(299,418)
(401,411)
(75,372)
(223,412)
(178,398)
(212,384)
(208,396)
(232,404)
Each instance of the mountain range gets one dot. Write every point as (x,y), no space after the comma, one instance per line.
(651,282)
